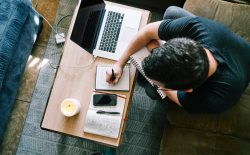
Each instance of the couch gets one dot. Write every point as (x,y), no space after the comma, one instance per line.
(152,5)
(226,133)
(19,27)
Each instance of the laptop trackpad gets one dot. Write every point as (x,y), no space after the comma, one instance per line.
(127,34)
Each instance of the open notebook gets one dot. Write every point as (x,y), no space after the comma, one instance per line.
(136,60)
(101,84)
(107,125)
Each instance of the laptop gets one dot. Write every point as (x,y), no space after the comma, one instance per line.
(104,30)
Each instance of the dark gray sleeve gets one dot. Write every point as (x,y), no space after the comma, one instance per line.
(172,28)
(210,98)
(200,102)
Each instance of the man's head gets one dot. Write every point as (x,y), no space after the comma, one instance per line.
(179,64)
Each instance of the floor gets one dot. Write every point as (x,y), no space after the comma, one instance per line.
(48,9)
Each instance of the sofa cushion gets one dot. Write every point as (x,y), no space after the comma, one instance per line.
(235,121)
(181,141)
(12,19)
(239,1)
(235,16)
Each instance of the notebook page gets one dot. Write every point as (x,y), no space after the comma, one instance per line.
(101,83)
(104,124)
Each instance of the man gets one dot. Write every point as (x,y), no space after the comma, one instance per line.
(203,66)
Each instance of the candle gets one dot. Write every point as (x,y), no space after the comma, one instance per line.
(70,107)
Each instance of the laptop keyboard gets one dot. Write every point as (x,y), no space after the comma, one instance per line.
(111,32)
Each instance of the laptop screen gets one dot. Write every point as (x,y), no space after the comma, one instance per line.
(87,24)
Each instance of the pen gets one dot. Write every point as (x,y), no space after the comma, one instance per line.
(106,112)
(105,92)
(113,75)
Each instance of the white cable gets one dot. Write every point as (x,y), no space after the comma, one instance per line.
(44,17)
(55,30)
(73,67)
(61,20)
(49,23)
(36,4)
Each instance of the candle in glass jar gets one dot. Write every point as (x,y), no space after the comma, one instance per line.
(70,107)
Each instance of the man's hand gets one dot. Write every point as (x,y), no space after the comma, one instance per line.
(113,78)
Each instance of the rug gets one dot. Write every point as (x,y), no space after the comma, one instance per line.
(144,128)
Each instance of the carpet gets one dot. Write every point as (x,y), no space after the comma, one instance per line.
(144,128)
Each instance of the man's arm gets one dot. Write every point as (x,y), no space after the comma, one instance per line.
(153,44)
(141,39)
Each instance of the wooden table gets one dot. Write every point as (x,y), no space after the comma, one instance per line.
(75,78)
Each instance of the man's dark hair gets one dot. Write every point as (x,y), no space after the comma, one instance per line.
(179,64)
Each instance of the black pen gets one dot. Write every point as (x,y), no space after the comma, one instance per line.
(106,112)
(113,75)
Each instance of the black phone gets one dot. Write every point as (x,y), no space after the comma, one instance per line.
(104,99)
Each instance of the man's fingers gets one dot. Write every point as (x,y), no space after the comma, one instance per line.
(113,75)
(116,80)
(108,76)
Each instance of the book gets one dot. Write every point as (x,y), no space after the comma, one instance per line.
(101,84)
(107,125)
(136,60)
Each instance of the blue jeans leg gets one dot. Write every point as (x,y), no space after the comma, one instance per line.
(174,12)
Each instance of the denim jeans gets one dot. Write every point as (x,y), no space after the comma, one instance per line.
(174,12)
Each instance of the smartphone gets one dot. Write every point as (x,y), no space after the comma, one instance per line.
(104,99)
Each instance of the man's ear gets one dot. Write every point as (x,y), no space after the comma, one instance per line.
(188,90)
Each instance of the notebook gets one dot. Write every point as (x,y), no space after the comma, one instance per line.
(107,125)
(136,60)
(104,29)
(101,84)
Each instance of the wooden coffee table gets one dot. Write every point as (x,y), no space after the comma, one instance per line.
(75,78)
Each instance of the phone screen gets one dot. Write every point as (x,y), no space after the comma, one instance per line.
(104,99)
